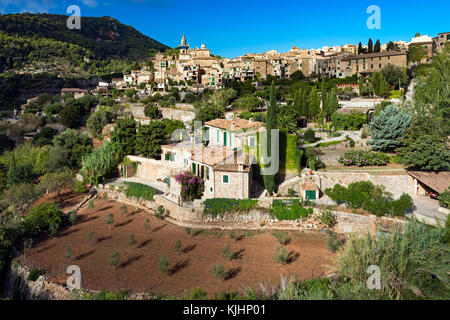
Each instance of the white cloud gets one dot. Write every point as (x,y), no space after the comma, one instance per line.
(90,3)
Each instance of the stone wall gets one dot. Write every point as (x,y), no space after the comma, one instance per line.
(176,114)
(256,219)
(150,169)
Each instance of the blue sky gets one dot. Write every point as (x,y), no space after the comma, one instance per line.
(231,28)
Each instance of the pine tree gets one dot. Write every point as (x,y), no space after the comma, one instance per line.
(370,46)
(377,47)
(271,123)
(387,129)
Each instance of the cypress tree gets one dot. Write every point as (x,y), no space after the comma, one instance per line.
(360,48)
(370,46)
(313,104)
(377,47)
(387,129)
(271,123)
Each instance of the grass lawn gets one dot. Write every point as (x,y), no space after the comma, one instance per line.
(288,146)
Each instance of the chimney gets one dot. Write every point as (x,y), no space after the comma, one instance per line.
(233,125)
(250,121)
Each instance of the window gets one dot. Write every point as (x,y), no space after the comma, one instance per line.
(371,66)
(379,65)
(169,156)
(202,172)
(225,178)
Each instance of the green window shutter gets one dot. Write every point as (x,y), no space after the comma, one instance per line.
(172,157)
(311,194)
(225,138)
(207,173)
(166,157)
(225,178)
(193,168)
(218,135)
(202,172)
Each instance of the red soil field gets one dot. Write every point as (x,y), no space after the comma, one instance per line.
(202,249)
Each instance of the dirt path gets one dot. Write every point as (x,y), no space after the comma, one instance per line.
(201,250)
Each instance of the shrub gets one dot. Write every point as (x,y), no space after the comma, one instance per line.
(53,230)
(401,205)
(446,237)
(333,241)
(20,173)
(310,135)
(159,213)
(73,216)
(151,111)
(282,237)
(281,255)
(363,158)
(444,198)
(147,224)
(34,274)
(41,217)
(353,121)
(163,265)
(219,272)
(282,211)
(124,209)
(219,206)
(327,218)
(177,246)
(132,240)
(90,237)
(80,187)
(187,230)
(139,191)
(292,193)
(109,220)
(195,294)
(114,259)
(192,187)
(68,252)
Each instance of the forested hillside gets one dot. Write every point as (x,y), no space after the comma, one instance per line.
(102,45)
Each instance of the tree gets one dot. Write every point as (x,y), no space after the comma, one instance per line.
(20,173)
(71,116)
(387,129)
(313,104)
(360,48)
(379,84)
(75,146)
(58,180)
(149,139)
(370,46)
(98,120)
(394,75)
(249,102)
(207,111)
(114,259)
(100,164)
(297,76)
(377,47)
(271,122)
(109,220)
(287,121)
(391,46)
(124,136)
(222,98)
(331,104)
(428,153)
(152,111)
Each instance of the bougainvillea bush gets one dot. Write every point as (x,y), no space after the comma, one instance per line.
(192,187)
(219,206)
(363,158)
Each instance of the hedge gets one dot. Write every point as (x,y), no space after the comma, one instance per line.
(220,206)
(282,211)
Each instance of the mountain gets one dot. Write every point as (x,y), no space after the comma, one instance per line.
(33,38)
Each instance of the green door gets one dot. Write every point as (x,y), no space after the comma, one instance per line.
(311,194)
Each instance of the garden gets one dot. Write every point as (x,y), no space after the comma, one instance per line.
(220,206)
(289,210)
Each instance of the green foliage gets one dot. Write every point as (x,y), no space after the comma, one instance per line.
(446,237)
(412,262)
(124,135)
(379,84)
(80,187)
(281,255)
(363,158)
(100,164)
(73,216)
(163,265)
(365,195)
(219,271)
(98,120)
(248,102)
(20,196)
(114,259)
(353,121)
(149,139)
(282,237)
(271,123)
(387,129)
(147,225)
(281,211)
(41,216)
(132,240)
(69,148)
(444,198)
(334,244)
(327,218)
(139,191)
(428,153)
(177,246)
(310,135)
(44,137)
(20,173)
(151,111)
(195,294)
(192,187)
(109,220)
(313,104)
(68,252)
(219,206)
(56,181)
(34,274)
(91,238)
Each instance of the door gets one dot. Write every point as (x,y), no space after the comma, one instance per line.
(311,194)
(225,138)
